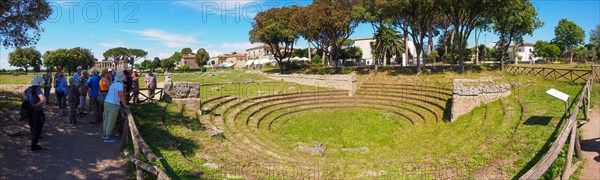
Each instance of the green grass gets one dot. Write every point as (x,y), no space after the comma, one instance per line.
(9,101)
(510,134)
(342,128)
(220,76)
(20,79)
(254,89)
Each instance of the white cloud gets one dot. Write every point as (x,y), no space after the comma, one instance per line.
(112,44)
(170,40)
(163,55)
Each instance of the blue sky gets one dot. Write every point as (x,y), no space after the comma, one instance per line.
(162,27)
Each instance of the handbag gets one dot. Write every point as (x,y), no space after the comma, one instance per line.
(102,97)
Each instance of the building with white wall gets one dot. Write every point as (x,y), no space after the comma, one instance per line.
(367,58)
(524,52)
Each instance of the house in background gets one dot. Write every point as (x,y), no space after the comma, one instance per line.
(367,57)
(190,61)
(262,52)
(524,53)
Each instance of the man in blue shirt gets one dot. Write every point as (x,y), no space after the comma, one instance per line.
(93,85)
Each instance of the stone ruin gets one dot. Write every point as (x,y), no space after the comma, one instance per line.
(470,93)
(185,93)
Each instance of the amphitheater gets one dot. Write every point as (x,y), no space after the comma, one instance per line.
(257,142)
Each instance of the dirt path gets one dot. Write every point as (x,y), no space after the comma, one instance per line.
(591,146)
(70,152)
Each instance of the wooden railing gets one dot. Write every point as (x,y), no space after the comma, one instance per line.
(552,73)
(149,97)
(569,131)
(139,144)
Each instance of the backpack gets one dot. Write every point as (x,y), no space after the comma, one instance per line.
(26,110)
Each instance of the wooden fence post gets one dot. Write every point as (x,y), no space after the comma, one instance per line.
(569,163)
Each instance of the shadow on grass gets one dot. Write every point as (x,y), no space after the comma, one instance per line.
(538,120)
(542,151)
(165,144)
(447,117)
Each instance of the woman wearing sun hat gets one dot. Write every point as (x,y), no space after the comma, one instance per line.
(114,98)
(36,99)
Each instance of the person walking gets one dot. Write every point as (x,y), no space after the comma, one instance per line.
(47,84)
(114,98)
(82,92)
(33,95)
(150,80)
(73,101)
(93,86)
(60,88)
(135,77)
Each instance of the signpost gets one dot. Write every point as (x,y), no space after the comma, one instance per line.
(562,96)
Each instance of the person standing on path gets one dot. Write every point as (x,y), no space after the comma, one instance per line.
(150,80)
(135,77)
(112,104)
(77,75)
(34,96)
(105,83)
(73,101)
(60,88)
(128,85)
(93,85)
(82,92)
(47,85)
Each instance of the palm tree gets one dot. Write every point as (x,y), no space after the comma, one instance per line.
(387,43)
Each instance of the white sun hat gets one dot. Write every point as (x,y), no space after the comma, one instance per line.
(37,81)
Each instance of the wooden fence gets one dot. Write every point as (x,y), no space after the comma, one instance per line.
(569,131)
(149,97)
(139,144)
(552,73)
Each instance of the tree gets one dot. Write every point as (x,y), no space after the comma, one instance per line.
(300,53)
(20,21)
(69,59)
(514,20)
(201,57)
(83,57)
(135,54)
(327,24)
(585,53)
(186,51)
(544,49)
(145,64)
(595,36)
(25,58)
(352,52)
(419,15)
(169,63)
(272,27)
(467,15)
(568,36)
(387,44)
(116,54)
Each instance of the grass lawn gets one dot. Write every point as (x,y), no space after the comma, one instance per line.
(9,101)
(20,79)
(509,135)
(219,76)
